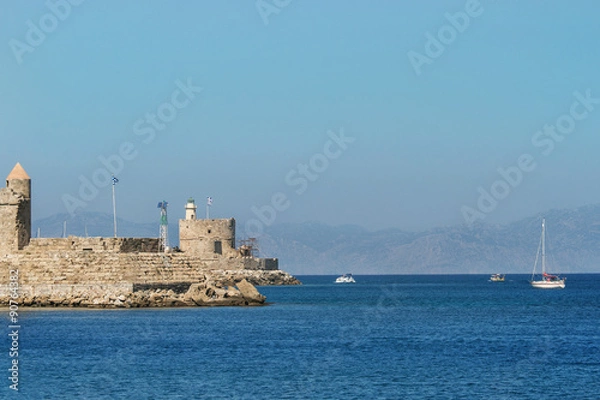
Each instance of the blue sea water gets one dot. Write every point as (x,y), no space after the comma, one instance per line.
(385,337)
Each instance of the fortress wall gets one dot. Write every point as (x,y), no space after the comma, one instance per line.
(23,224)
(44,244)
(15,212)
(268,264)
(21,186)
(8,229)
(68,291)
(60,267)
(17,198)
(141,245)
(124,245)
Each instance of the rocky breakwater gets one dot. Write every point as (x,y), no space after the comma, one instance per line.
(208,292)
(212,294)
(255,277)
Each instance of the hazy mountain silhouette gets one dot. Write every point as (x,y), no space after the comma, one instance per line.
(573,244)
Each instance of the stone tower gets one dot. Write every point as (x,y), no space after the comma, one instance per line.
(206,237)
(15,211)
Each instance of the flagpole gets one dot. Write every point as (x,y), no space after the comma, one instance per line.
(208,204)
(114,204)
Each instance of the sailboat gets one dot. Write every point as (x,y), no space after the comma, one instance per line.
(546,281)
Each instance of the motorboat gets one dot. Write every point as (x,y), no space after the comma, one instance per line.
(346,278)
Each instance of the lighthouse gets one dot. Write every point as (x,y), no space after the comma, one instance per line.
(190,209)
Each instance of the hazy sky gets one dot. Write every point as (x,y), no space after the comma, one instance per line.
(381,114)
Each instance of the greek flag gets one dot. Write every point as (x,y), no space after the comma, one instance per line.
(115,180)
(209,201)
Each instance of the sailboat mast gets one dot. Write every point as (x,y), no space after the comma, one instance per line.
(543,245)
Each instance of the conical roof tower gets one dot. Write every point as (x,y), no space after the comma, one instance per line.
(18,172)
(15,211)
(19,181)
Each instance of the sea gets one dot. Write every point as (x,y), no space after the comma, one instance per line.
(384,337)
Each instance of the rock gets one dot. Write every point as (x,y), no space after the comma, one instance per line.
(249,293)
(208,294)
(122,298)
(196,294)
(154,298)
(173,302)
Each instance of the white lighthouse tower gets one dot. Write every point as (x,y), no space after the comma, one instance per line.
(190,209)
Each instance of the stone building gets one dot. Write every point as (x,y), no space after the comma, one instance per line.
(206,236)
(68,267)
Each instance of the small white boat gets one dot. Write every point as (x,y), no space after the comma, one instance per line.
(546,281)
(346,278)
(497,278)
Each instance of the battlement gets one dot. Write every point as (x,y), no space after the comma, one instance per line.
(96,244)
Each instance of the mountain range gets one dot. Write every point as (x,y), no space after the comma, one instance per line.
(572,243)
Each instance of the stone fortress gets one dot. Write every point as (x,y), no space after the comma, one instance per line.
(126,272)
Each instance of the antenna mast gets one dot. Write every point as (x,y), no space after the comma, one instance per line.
(164,226)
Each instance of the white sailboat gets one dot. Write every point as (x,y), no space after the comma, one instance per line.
(546,281)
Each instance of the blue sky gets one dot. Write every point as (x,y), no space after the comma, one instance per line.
(278,79)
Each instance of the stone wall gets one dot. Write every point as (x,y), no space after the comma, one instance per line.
(39,267)
(20,189)
(123,245)
(8,227)
(80,278)
(15,221)
(268,264)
